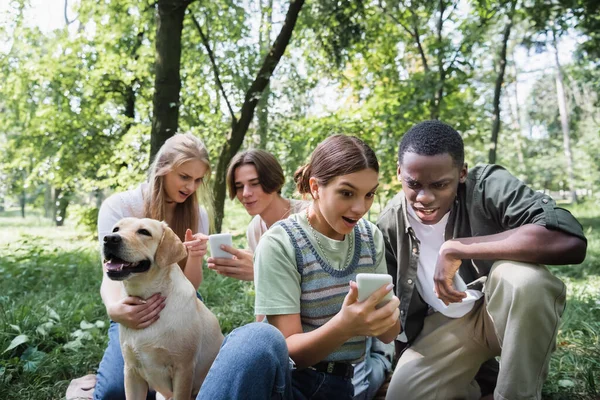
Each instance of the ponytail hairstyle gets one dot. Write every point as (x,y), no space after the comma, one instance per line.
(335,156)
(177,150)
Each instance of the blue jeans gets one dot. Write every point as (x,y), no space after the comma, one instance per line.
(253,364)
(370,373)
(110,380)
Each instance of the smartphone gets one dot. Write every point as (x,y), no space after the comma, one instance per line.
(215,241)
(369,283)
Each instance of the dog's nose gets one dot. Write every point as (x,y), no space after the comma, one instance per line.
(112,238)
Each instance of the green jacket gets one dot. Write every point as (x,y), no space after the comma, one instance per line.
(490,201)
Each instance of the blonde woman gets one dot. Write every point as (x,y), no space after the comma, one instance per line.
(177,181)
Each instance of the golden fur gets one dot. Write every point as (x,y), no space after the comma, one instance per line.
(174,354)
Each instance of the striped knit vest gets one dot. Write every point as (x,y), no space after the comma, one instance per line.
(324,288)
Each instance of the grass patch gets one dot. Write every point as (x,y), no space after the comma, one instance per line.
(53,324)
(575,366)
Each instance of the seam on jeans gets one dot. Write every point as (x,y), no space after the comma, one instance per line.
(323,378)
(553,340)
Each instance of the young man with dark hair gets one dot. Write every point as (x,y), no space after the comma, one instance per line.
(466,250)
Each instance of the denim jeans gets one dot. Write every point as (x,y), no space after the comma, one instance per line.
(110,380)
(370,373)
(253,364)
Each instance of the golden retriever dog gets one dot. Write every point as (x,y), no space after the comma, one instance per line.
(174,354)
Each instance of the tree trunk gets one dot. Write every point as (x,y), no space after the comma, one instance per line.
(62,202)
(564,122)
(55,212)
(167,81)
(517,125)
(48,201)
(253,94)
(498,86)
(22,201)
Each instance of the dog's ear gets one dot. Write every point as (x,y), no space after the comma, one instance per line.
(170,249)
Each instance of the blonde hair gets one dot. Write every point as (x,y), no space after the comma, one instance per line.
(177,150)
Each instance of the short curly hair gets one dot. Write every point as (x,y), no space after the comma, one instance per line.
(430,138)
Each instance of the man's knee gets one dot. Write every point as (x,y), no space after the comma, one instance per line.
(530,284)
(520,276)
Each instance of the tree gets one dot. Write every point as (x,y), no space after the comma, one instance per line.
(564,121)
(240,125)
(499,81)
(264,41)
(167,81)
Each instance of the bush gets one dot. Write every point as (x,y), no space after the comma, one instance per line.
(86,217)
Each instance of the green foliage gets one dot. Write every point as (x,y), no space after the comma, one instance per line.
(53,327)
(86,218)
(77,103)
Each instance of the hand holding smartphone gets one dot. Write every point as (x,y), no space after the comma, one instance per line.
(218,239)
(369,283)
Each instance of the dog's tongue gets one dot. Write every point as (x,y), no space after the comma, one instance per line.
(115,264)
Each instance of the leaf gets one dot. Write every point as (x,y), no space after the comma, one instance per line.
(566,383)
(86,325)
(73,344)
(44,328)
(32,358)
(16,342)
(100,324)
(81,335)
(16,328)
(51,313)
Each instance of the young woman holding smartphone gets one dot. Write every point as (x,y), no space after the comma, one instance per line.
(305,267)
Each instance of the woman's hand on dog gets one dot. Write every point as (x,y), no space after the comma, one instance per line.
(196,244)
(241,266)
(136,313)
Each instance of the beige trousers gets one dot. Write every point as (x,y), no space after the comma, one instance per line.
(518,321)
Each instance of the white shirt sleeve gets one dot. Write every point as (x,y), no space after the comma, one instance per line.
(111,211)
(203,224)
(255,231)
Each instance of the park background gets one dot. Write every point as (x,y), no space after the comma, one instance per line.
(90,90)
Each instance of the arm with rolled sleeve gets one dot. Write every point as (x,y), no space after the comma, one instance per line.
(527,226)
(530,227)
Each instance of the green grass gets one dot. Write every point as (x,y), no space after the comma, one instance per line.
(50,303)
(575,366)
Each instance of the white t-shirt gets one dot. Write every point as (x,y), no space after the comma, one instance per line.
(258,227)
(131,204)
(431,238)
